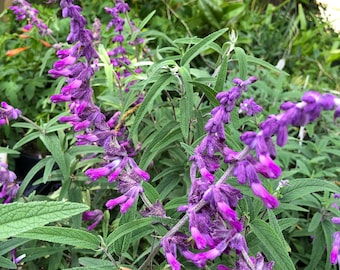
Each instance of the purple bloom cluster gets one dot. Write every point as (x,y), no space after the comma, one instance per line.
(118,55)
(87,117)
(250,107)
(7,112)
(9,187)
(214,227)
(335,254)
(24,10)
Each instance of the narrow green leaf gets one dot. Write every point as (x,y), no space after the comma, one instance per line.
(7,263)
(48,168)
(172,137)
(28,138)
(127,228)
(209,92)
(150,192)
(175,203)
(108,68)
(302,17)
(53,145)
(186,102)
(265,64)
(17,218)
(276,226)
(143,23)
(189,149)
(67,236)
(24,125)
(241,57)
(29,176)
(85,149)
(273,247)
(318,249)
(201,46)
(222,75)
(46,57)
(328,231)
(316,219)
(8,151)
(10,244)
(57,127)
(150,96)
(298,188)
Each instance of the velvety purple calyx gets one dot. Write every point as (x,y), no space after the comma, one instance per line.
(250,107)
(334,256)
(8,185)
(8,112)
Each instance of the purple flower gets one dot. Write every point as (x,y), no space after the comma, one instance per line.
(9,187)
(24,10)
(156,210)
(7,112)
(269,200)
(267,167)
(335,257)
(96,215)
(250,107)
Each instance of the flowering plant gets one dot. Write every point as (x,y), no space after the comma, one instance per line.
(190,158)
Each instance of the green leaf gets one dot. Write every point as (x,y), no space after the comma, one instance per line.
(46,57)
(85,149)
(48,168)
(17,218)
(150,96)
(9,244)
(302,17)
(328,231)
(222,75)
(274,248)
(298,188)
(201,46)
(24,125)
(186,102)
(8,151)
(7,263)
(314,223)
(241,57)
(209,92)
(150,192)
(318,249)
(154,138)
(142,24)
(29,176)
(26,139)
(265,64)
(175,203)
(108,68)
(127,228)
(173,136)
(53,145)
(275,225)
(67,236)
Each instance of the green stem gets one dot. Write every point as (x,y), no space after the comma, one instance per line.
(33,124)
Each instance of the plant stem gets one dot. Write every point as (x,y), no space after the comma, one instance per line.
(32,123)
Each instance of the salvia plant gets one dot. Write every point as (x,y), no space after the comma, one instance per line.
(158,166)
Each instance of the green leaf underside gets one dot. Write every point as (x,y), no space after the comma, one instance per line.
(17,218)
(67,236)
